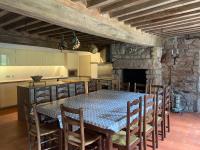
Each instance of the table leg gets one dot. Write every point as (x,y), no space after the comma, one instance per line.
(109,145)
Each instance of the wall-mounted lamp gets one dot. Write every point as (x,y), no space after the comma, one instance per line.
(175,55)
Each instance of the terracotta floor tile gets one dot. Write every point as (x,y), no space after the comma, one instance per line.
(184,135)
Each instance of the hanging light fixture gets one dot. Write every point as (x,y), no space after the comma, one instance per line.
(75,41)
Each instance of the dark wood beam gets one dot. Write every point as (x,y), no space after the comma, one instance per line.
(46,28)
(8,17)
(33,26)
(170,12)
(26,39)
(136,8)
(156,9)
(56,32)
(19,23)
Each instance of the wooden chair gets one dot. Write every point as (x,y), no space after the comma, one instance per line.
(149,120)
(92,86)
(132,136)
(82,137)
(167,106)
(62,91)
(46,137)
(158,90)
(125,86)
(80,88)
(142,88)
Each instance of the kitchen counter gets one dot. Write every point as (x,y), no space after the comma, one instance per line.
(29,79)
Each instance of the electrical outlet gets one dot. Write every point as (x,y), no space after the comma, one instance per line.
(7,76)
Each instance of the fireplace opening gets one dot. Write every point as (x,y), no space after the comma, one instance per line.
(134,76)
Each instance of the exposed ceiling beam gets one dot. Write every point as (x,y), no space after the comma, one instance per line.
(137,8)
(9,17)
(19,23)
(3,12)
(99,3)
(164,19)
(157,9)
(83,20)
(121,5)
(33,26)
(58,31)
(170,22)
(170,12)
(175,25)
(42,29)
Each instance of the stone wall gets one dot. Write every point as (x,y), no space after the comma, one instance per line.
(185,73)
(128,56)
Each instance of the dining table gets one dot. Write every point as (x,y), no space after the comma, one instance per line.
(104,111)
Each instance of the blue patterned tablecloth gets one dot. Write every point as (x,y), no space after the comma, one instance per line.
(104,108)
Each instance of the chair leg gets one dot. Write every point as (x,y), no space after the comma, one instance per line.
(144,142)
(162,130)
(153,139)
(156,134)
(164,122)
(29,142)
(168,123)
(100,144)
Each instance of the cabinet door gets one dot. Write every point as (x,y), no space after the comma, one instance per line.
(29,58)
(72,61)
(85,65)
(7,57)
(8,95)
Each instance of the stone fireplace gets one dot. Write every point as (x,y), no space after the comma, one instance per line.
(136,59)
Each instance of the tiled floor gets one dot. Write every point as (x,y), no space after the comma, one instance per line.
(184,135)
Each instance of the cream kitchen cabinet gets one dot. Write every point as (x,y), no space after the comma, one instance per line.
(54,59)
(72,61)
(7,57)
(8,94)
(29,58)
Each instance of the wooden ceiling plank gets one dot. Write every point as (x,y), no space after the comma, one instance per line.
(8,17)
(98,3)
(121,5)
(164,19)
(33,26)
(183,23)
(22,22)
(46,28)
(156,9)
(170,22)
(178,30)
(4,12)
(170,12)
(140,7)
(58,31)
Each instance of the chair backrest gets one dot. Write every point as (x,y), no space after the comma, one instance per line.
(32,121)
(134,110)
(62,91)
(138,87)
(42,95)
(80,88)
(149,111)
(69,122)
(125,86)
(158,90)
(167,98)
(92,86)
